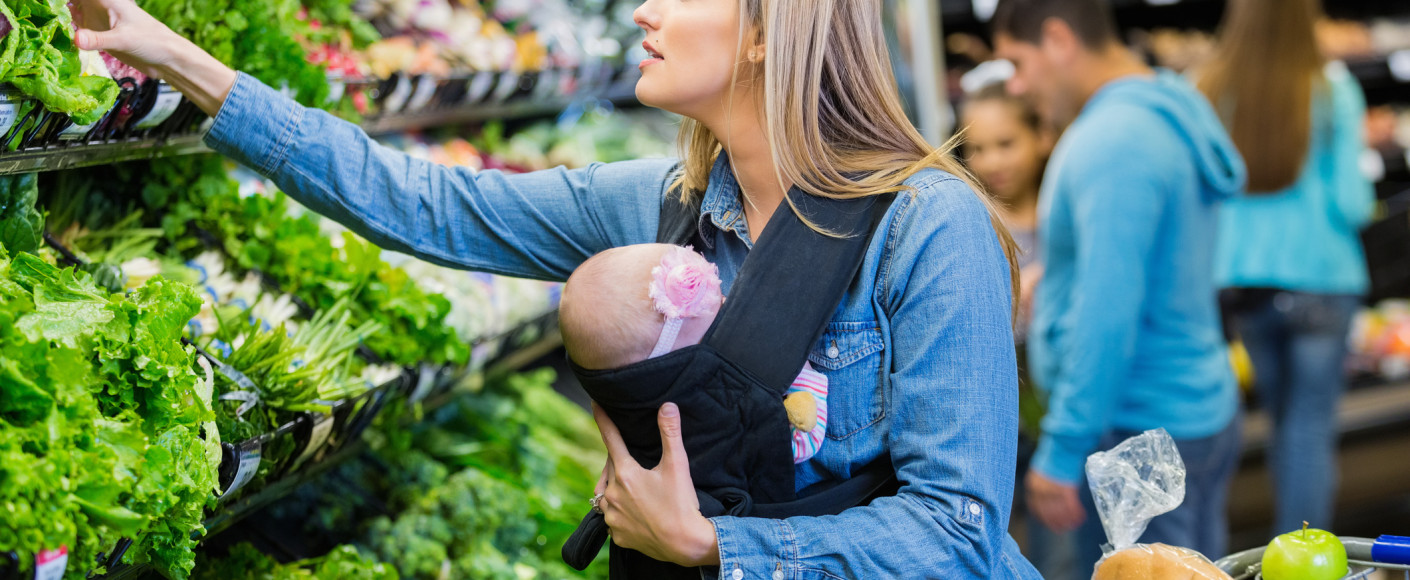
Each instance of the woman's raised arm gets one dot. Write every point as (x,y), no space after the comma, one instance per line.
(536,225)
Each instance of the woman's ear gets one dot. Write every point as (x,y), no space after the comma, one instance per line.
(755,54)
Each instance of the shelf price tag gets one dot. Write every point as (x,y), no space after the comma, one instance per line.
(50,564)
(508,84)
(425,89)
(75,131)
(337,87)
(9,110)
(426,379)
(400,93)
(322,428)
(248,458)
(1399,64)
(479,86)
(168,99)
(984,9)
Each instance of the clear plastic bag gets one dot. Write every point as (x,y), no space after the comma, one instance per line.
(1135,481)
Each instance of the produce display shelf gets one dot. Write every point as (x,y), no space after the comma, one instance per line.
(398,104)
(464,114)
(63,156)
(433,388)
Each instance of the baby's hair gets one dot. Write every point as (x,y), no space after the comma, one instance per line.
(997,93)
(605,310)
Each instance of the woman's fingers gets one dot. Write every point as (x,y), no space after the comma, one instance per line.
(672,445)
(617,454)
(108,40)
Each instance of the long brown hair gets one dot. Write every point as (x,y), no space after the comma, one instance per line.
(831,113)
(1262,81)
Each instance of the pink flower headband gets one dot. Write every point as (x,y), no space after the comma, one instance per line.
(685,285)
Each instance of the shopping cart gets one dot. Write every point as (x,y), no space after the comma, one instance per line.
(1245,565)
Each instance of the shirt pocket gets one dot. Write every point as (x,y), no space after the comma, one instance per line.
(849,354)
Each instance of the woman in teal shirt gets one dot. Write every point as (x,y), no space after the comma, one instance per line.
(1288,249)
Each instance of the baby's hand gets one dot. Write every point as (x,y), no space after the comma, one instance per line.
(802,410)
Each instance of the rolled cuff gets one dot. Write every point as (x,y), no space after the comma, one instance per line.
(255,125)
(755,548)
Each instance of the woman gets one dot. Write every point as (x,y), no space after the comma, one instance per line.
(1288,248)
(777,93)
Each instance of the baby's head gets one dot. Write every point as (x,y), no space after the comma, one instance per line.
(617,305)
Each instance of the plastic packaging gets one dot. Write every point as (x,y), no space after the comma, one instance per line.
(1135,481)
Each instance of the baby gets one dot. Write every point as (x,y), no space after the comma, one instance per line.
(632,303)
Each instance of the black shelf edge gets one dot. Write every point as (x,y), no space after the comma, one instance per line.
(486,112)
(72,156)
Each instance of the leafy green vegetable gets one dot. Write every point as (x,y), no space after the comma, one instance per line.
(100,421)
(39,57)
(245,562)
(255,36)
(21,225)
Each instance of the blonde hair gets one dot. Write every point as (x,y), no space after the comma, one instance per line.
(831,113)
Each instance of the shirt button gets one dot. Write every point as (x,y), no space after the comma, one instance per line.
(832,351)
(738,574)
(778,574)
(974,509)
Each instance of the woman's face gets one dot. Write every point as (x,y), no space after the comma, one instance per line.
(1004,153)
(697,42)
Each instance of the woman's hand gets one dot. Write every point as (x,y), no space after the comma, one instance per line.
(655,511)
(136,38)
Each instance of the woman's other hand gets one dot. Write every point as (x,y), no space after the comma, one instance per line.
(122,29)
(655,511)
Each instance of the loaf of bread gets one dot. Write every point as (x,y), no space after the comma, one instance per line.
(1157,562)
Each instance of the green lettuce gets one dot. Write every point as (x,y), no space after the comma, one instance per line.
(39,57)
(21,225)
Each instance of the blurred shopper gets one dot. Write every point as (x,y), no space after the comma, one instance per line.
(1125,333)
(1007,145)
(1288,249)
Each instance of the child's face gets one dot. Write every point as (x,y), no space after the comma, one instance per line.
(1004,153)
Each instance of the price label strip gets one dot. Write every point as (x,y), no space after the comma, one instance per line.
(168,99)
(322,428)
(248,458)
(50,564)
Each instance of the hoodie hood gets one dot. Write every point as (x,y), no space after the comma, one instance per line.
(1221,168)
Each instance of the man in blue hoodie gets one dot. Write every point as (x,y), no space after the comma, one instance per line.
(1125,334)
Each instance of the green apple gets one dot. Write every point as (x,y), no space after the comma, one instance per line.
(1305,555)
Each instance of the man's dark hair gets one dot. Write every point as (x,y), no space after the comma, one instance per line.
(1090,20)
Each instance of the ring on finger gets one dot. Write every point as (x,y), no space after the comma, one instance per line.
(596,502)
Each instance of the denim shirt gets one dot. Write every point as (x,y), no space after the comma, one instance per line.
(919,354)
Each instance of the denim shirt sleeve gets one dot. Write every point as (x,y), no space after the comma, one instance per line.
(952,413)
(537,225)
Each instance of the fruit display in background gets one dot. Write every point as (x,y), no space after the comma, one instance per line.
(1307,554)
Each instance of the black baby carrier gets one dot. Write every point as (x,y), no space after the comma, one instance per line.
(730,387)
